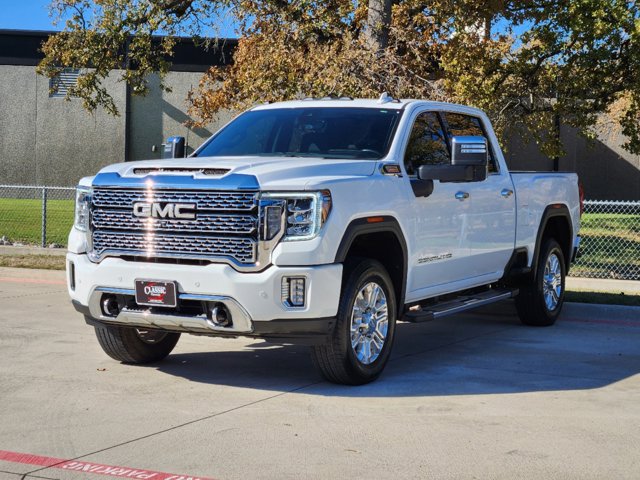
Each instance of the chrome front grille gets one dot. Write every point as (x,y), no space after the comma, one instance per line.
(242,249)
(225,227)
(204,223)
(225,201)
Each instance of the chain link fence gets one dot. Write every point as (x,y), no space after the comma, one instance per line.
(610,245)
(32,215)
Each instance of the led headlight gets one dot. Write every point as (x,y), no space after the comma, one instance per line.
(305,212)
(270,217)
(83,202)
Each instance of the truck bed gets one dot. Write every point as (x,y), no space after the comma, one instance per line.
(536,191)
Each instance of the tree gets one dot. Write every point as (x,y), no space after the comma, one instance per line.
(102,36)
(378,22)
(525,62)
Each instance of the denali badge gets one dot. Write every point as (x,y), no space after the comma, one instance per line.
(435,258)
(166,210)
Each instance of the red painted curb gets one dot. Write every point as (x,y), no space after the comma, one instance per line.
(90,467)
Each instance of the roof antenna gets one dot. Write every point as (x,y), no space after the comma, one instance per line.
(385,98)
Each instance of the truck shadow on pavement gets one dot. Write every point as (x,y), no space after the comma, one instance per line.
(485,352)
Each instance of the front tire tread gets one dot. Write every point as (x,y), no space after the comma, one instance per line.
(124,345)
(336,359)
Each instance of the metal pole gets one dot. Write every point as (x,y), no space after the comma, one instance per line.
(44,217)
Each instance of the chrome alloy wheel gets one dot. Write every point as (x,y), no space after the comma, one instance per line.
(369,323)
(552,282)
(150,336)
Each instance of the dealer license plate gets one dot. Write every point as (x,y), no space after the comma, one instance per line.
(156,293)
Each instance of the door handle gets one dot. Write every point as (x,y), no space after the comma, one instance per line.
(462,196)
(506,193)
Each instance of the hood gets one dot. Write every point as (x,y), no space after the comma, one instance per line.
(276,173)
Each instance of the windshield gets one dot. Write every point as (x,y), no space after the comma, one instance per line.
(363,133)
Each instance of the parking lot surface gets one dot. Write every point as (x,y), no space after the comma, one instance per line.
(471,396)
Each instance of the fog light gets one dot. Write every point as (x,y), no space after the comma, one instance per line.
(220,315)
(293,291)
(110,306)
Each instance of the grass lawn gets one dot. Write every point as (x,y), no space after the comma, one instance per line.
(21,220)
(610,246)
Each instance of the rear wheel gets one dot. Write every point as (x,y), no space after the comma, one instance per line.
(540,301)
(361,342)
(135,345)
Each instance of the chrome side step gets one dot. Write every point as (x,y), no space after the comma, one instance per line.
(457,305)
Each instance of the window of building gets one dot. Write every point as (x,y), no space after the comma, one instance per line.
(61,83)
(427,143)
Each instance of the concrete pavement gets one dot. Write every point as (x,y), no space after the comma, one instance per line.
(629,287)
(30,250)
(472,396)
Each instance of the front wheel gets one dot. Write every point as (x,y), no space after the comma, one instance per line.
(540,301)
(135,345)
(361,342)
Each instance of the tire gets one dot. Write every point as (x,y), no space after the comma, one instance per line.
(338,360)
(540,301)
(132,345)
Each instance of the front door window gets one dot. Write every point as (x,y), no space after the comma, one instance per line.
(427,144)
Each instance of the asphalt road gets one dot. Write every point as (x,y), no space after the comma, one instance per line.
(472,396)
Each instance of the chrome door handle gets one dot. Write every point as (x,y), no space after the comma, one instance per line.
(462,195)
(506,193)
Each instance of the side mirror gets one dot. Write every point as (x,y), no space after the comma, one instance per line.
(469,161)
(174,148)
(469,151)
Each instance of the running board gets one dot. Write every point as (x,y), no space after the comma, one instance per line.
(457,305)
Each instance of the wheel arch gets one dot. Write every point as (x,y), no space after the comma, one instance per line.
(555,223)
(380,238)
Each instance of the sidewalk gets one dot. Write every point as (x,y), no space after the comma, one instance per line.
(32,274)
(27,250)
(630,287)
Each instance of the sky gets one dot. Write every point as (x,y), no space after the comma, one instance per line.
(34,15)
(25,15)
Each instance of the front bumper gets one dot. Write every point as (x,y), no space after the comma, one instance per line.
(254,299)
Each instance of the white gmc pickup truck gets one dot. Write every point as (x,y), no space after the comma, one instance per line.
(321,222)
